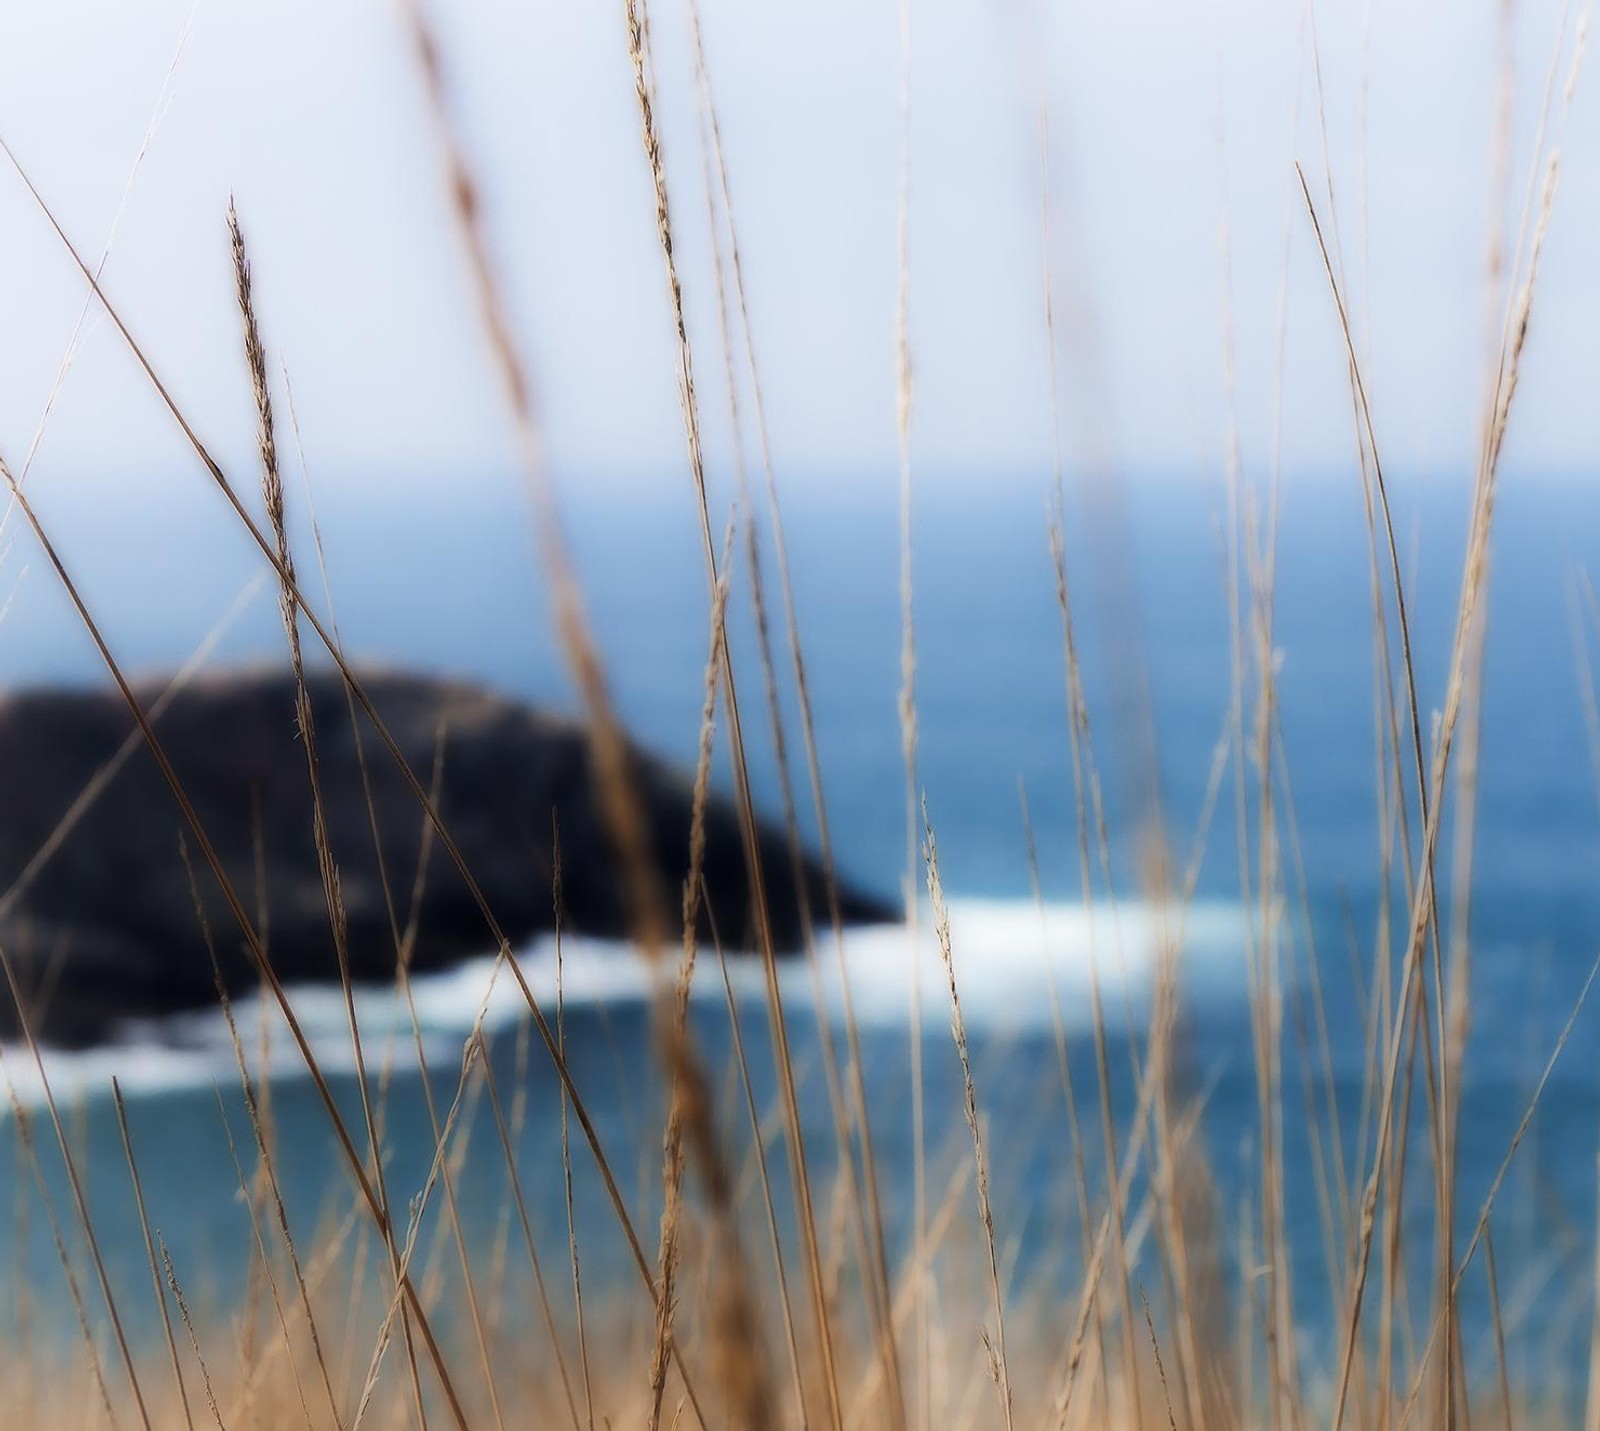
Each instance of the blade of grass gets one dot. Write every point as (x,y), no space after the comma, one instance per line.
(273,496)
(941,923)
(150,1252)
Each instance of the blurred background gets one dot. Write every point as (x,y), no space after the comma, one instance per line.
(1197,356)
(1173,135)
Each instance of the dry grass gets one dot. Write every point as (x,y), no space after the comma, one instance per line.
(1163,1324)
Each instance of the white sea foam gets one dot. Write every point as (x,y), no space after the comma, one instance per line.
(1016,966)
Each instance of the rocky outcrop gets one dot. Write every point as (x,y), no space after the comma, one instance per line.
(106,917)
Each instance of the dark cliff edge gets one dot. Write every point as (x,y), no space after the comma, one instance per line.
(105,918)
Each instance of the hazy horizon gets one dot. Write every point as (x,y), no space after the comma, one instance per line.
(1166,126)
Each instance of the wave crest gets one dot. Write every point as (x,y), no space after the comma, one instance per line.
(1016,963)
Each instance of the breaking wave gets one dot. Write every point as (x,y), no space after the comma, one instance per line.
(1018,967)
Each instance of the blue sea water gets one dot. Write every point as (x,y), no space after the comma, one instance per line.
(446,580)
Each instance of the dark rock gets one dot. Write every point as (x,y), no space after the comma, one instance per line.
(111,926)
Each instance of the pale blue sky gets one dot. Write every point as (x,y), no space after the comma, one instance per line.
(1166,118)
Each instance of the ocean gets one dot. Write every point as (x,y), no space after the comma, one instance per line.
(444,578)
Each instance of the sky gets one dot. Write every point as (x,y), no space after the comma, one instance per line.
(1178,235)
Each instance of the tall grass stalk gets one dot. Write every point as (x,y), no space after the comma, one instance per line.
(644,85)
